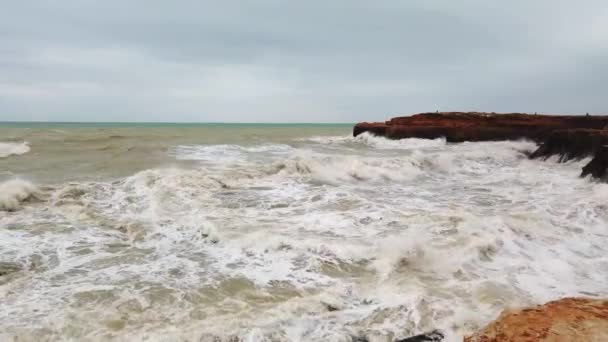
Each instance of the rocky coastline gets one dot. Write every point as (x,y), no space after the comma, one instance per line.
(568,319)
(570,137)
(567,136)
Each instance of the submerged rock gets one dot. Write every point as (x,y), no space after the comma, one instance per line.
(433,336)
(569,319)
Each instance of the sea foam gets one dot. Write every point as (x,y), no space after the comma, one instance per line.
(15,191)
(8,149)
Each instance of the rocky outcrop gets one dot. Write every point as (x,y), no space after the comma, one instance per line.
(570,319)
(571,144)
(433,336)
(598,166)
(476,126)
(568,136)
(577,144)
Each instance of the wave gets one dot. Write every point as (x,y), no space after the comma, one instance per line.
(410,144)
(337,169)
(8,149)
(225,152)
(14,192)
(397,241)
(378,142)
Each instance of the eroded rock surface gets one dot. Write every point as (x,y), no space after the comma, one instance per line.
(577,144)
(568,136)
(569,319)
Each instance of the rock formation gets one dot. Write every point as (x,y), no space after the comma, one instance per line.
(569,136)
(577,144)
(569,319)
(474,126)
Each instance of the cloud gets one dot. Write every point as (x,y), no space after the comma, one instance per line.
(274,60)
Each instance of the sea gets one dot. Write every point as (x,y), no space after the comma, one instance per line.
(282,232)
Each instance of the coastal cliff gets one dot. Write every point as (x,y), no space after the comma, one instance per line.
(568,136)
(476,126)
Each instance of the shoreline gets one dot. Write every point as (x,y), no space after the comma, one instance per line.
(568,136)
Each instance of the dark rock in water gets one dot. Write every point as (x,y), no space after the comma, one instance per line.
(577,144)
(571,144)
(598,166)
(331,308)
(433,336)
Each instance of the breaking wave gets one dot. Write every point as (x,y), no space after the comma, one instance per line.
(8,149)
(225,152)
(294,241)
(377,142)
(15,191)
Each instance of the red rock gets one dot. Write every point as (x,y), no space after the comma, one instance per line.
(475,126)
(569,319)
(569,136)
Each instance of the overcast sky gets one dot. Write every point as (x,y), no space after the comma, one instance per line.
(298,61)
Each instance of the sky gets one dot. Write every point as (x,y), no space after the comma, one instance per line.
(298,61)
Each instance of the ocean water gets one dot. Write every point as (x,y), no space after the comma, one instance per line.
(217,232)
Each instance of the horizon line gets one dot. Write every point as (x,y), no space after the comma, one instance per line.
(184,122)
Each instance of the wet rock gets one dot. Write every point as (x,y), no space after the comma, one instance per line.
(598,166)
(577,144)
(567,136)
(433,336)
(571,144)
(569,319)
(330,307)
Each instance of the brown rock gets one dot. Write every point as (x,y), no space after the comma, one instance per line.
(569,136)
(476,126)
(569,319)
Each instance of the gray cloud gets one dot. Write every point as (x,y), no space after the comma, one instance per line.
(275,60)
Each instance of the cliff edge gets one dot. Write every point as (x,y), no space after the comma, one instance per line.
(569,136)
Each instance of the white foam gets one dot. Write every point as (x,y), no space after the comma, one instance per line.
(378,142)
(338,169)
(15,191)
(8,149)
(226,152)
(411,143)
(401,240)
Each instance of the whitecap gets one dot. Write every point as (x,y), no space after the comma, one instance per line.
(15,191)
(225,152)
(8,149)
(411,143)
